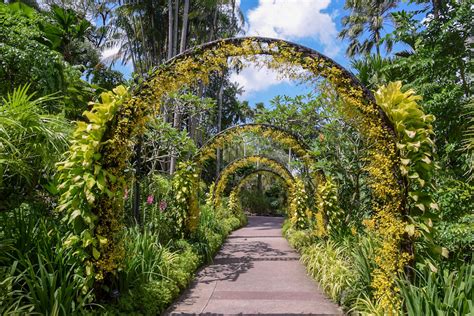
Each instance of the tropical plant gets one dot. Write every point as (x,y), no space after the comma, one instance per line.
(469,139)
(436,65)
(368,16)
(39,274)
(24,58)
(31,141)
(331,267)
(439,293)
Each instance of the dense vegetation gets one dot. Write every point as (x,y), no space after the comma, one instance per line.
(56,99)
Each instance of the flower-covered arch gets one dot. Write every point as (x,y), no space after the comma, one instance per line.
(279,135)
(223,178)
(263,171)
(234,196)
(93,175)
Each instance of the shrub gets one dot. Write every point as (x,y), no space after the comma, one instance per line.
(331,267)
(299,239)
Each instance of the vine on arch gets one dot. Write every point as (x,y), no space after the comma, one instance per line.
(298,210)
(248,177)
(329,216)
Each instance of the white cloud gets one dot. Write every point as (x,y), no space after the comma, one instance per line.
(294,20)
(110,52)
(254,79)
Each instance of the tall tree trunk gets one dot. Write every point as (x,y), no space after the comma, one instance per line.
(154,41)
(174,46)
(170,29)
(184,28)
(175,28)
(219,125)
(213,32)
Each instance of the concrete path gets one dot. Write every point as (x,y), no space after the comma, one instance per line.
(255,272)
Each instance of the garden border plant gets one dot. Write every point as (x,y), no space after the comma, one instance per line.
(93,173)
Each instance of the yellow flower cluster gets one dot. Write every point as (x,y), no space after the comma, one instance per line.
(298,206)
(329,216)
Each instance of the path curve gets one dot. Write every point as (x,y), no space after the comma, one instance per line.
(255,272)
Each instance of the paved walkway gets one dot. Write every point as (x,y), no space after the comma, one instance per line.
(255,272)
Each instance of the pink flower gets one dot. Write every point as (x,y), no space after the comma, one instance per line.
(149,199)
(163,205)
(125,194)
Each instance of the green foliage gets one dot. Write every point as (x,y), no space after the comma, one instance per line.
(106,78)
(364,27)
(468,142)
(299,239)
(373,70)
(439,293)
(326,202)
(298,205)
(415,142)
(83,180)
(42,50)
(186,208)
(39,274)
(154,274)
(24,59)
(300,114)
(416,148)
(31,141)
(148,262)
(454,230)
(437,65)
(65,31)
(209,234)
(331,267)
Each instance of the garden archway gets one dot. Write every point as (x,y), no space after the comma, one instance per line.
(234,196)
(231,168)
(92,177)
(244,180)
(279,135)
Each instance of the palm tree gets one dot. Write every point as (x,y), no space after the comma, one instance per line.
(373,70)
(365,24)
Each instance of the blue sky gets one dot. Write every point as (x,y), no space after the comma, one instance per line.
(312,23)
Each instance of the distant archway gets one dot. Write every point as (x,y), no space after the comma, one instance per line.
(231,168)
